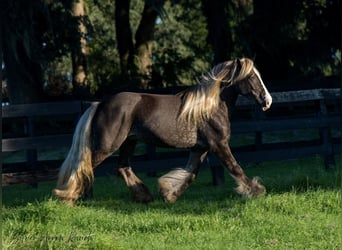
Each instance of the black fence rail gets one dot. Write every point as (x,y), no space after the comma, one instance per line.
(299,124)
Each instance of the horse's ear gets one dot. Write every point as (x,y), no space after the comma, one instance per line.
(254,57)
(238,64)
(235,69)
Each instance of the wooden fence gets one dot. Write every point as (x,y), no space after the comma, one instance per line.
(299,124)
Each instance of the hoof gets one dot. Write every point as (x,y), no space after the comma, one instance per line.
(257,188)
(173,184)
(166,191)
(60,194)
(253,189)
(140,193)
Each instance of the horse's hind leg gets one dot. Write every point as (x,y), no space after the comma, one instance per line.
(139,192)
(173,184)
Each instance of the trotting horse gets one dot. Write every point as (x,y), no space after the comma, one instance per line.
(196,118)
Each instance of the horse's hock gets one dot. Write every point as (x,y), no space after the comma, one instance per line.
(299,124)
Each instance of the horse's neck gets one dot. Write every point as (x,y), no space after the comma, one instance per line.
(229,96)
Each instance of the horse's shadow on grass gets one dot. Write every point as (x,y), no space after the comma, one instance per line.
(201,197)
(110,192)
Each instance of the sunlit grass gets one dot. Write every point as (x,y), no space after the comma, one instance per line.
(302,210)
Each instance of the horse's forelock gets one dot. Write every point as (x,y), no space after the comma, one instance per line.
(246,68)
(230,72)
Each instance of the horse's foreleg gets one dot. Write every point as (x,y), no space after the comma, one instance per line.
(139,192)
(246,187)
(173,184)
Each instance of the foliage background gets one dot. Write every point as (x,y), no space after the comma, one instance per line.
(296,44)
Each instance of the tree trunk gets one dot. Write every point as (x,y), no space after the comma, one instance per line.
(268,44)
(136,59)
(124,35)
(24,77)
(21,53)
(143,46)
(219,35)
(80,82)
(3,85)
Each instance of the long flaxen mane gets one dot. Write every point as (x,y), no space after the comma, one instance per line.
(201,101)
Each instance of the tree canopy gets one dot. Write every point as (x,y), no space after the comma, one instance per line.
(85,48)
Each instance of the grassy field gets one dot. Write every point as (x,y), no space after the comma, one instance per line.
(302,210)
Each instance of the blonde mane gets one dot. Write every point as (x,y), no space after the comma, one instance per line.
(202,100)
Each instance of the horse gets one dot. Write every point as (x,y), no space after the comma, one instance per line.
(196,119)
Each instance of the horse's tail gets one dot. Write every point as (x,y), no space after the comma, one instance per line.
(76,172)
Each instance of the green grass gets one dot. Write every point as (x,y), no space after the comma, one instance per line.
(302,210)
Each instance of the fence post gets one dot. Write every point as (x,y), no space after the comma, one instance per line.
(31,154)
(151,155)
(325,135)
(258,134)
(217,172)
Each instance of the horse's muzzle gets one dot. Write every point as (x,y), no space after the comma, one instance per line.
(267,102)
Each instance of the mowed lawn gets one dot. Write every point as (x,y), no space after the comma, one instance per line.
(302,210)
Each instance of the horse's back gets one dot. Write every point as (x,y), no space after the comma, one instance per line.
(156,121)
(148,117)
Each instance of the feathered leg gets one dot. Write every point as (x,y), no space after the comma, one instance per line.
(173,184)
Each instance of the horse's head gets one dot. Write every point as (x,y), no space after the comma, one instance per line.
(248,82)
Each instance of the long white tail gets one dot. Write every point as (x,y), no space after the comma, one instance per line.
(76,172)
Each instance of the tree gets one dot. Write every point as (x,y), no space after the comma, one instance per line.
(21,51)
(136,58)
(46,40)
(80,82)
(219,35)
(289,39)
(300,39)
(103,58)
(124,35)
(181,52)
(38,33)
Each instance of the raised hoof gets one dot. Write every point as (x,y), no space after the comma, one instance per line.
(166,191)
(173,184)
(140,193)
